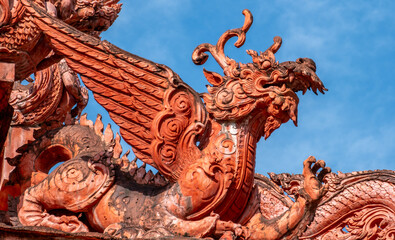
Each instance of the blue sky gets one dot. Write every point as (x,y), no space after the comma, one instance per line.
(351,127)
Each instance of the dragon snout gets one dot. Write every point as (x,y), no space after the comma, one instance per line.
(307,61)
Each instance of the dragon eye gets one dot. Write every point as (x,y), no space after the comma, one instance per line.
(265,64)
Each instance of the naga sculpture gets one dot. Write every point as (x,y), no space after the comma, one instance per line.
(204,151)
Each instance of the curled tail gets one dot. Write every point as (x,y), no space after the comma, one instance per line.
(86,174)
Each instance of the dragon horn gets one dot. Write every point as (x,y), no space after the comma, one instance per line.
(199,56)
(267,58)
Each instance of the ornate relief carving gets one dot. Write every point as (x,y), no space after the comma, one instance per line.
(364,203)
(370,222)
(49,96)
(204,152)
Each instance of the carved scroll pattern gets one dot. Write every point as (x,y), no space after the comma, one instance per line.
(210,177)
(358,205)
(371,222)
(175,130)
(87,179)
(76,184)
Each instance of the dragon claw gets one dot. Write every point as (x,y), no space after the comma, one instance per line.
(308,162)
(319,164)
(313,182)
(323,173)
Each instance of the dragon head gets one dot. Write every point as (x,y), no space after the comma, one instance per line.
(21,40)
(89,16)
(264,88)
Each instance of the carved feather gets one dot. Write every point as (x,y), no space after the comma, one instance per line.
(155,110)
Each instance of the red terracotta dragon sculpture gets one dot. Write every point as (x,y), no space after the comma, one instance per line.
(54,88)
(204,152)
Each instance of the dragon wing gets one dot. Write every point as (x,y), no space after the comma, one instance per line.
(158,114)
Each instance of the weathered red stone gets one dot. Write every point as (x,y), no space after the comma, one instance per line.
(204,152)
(7,76)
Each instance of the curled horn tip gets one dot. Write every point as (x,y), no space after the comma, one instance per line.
(199,59)
(248,20)
(277,39)
(277,44)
